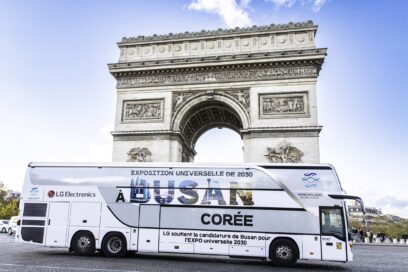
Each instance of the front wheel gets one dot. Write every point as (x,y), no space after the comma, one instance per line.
(10,231)
(83,244)
(114,245)
(284,252)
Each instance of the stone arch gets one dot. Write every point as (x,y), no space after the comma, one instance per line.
(164,80)
(208,110)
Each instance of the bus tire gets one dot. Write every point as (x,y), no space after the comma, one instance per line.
(114,245)
(283,252)
(83,243)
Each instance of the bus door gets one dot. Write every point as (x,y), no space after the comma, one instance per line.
(57,224)
(333,234)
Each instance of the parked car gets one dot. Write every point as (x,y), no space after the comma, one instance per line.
(3,225)
(12,226)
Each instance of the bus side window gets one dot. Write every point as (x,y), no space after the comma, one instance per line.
(331,221)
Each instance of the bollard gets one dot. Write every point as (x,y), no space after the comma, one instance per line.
(395,241)
(366,240)
(387,240)
(402,242)
(378,240)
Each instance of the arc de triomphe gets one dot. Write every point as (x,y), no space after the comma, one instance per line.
(258,81)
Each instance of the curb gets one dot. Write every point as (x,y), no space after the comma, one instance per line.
(378,244)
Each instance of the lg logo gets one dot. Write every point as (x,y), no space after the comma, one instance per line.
(51,194)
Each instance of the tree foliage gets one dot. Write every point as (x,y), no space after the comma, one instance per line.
(8,207)
(384,224)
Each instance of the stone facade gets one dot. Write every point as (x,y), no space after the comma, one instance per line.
(258,81)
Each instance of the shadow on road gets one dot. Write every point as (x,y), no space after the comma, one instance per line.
(196,261)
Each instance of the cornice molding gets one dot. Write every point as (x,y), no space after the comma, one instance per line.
(219,33)
(211,60)
(283,129)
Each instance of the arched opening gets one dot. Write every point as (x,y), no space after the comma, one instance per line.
(219,145)
(205,116)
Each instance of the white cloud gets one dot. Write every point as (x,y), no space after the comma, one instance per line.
(392,202)
(283,3)
(233,13)
(389,203)
(316,4)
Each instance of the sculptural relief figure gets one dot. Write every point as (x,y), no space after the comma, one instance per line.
(179,100)
(139,154)
(243,98)
(284,152)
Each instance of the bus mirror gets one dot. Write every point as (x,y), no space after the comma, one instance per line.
(350,197)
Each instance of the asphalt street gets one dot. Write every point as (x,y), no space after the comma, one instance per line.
(22,257)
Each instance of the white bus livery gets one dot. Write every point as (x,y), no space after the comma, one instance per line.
(281,212)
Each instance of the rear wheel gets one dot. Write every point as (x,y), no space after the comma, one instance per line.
(83,244)
(114,245)
(10,231)
(3,230)
(284,252)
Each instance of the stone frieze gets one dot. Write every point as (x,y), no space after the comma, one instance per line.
(275,105)
(218,76)
(139,110)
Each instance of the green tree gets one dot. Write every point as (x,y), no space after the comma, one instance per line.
(8,207)
(389,227)
(3,193)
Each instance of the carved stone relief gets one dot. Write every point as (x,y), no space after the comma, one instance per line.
(284,152)
(218,76)
(180,98)
(242,96)
(142,110)
(139,154)
(276,105)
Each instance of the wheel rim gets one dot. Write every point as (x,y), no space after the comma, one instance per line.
(84,243)
(284,253)
(114,245)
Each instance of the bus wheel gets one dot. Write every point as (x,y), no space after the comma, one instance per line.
(283,252)
(114,245)
(83,243)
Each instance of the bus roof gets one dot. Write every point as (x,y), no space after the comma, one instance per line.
(179,164)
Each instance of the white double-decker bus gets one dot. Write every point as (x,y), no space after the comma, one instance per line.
(275,212)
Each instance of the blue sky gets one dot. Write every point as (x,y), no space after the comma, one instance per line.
(57,98)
